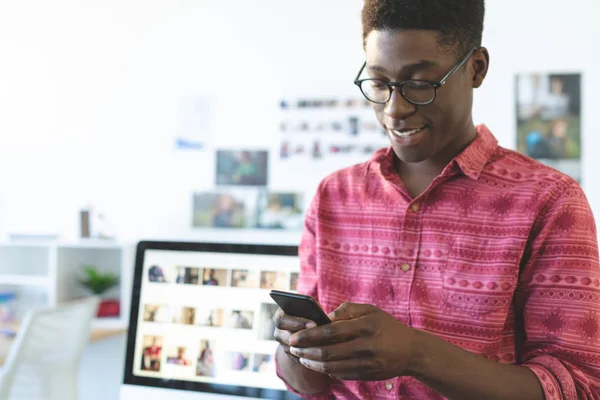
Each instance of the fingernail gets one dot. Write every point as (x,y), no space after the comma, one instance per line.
(293,340)
(294,351)
(302,361)
(310,325)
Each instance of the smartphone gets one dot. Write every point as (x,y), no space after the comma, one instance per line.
(299,305)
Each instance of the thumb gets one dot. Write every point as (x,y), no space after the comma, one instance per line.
(350,311)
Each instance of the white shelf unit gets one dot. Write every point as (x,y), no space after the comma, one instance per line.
(23,280)
(49,273)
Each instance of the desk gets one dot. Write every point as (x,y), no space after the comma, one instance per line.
(95,336)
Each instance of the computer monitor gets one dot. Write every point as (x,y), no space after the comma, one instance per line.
(201,321)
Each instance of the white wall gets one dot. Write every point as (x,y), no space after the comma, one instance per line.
(90,92)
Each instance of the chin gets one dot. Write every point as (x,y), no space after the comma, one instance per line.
(411,155)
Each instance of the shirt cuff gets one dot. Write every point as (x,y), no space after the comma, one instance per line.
(326,395)
(557,383)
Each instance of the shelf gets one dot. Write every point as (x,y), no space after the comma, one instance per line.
(47,274)
(26,244)
(23,280)
(110,323)
(106,244)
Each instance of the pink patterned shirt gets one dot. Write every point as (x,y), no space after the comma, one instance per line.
(498,256)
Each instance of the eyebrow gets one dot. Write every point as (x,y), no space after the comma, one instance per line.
(408,68)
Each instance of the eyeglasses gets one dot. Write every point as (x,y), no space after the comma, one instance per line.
(416,91)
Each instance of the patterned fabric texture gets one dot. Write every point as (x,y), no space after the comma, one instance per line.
(498,256)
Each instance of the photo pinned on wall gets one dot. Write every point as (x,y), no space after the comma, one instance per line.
(350,128)
(549,120)
(280,211)
(205,363)
(152,347)
(195,123)
(248,209)
(224,209)
(178,355)
(242,167)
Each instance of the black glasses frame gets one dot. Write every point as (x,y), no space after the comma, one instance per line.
(391,85)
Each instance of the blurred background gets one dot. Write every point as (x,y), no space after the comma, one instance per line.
(95,95)
(199,119)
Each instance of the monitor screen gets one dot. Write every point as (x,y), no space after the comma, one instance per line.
(202,318)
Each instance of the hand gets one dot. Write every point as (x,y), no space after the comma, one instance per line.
(286,326)
(362,343)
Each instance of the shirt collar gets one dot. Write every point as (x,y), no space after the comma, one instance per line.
(477,154)
(471,161)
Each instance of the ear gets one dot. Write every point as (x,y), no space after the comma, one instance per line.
(480,64)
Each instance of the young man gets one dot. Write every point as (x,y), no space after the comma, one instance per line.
(452,268)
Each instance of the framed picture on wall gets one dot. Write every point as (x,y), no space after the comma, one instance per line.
(549,120)
(242,167)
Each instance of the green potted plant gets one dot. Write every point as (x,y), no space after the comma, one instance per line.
(99,283)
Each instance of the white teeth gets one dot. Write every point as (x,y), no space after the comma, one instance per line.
(406,133)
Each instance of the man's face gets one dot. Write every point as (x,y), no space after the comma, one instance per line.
(446,124)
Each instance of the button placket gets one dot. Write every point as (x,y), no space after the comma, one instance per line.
(409,263)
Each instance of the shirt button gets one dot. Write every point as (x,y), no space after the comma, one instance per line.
(405,267)
(415,207)
(389,385)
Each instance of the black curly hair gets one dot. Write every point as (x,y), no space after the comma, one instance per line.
(458,22)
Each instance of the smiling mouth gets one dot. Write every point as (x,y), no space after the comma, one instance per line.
(405,134)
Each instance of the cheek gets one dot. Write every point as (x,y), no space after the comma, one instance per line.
(454,103)
(379,110)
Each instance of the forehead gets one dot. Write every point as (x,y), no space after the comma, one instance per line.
(394,49)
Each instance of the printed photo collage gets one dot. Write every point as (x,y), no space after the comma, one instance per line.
(207,357)
(316,129)
(248,208)
(549,120)
(242,200)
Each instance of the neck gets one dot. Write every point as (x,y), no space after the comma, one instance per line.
(435,165)
(418,176)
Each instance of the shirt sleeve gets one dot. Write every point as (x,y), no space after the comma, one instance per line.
(308,279)
(560,298)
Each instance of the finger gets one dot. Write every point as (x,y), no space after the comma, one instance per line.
(286,350)
(293,324)
(283,337)
(340,331)
(336,352)
(344,368)
(349,311)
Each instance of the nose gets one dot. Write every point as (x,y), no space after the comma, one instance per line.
(397,107)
